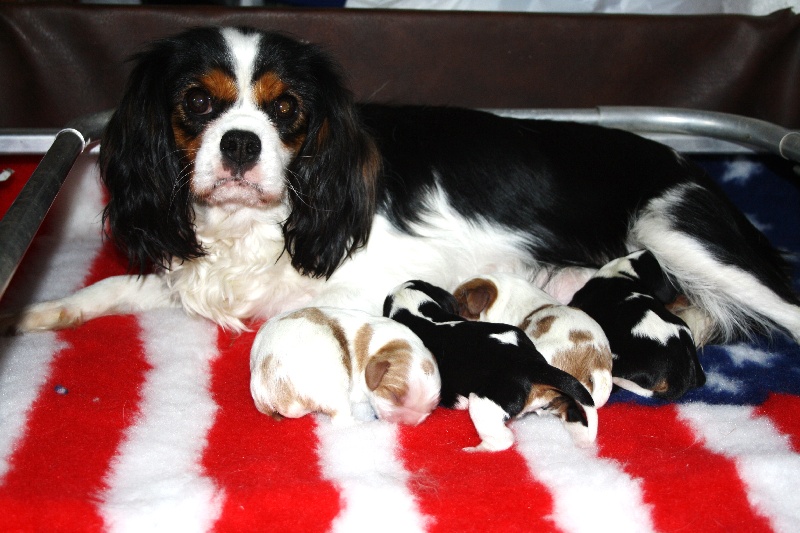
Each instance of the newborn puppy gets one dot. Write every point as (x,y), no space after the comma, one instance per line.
(654,353)
(492,369)
(567,337)
(342,363)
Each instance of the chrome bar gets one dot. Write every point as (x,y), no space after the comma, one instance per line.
(20,223)
(734,129)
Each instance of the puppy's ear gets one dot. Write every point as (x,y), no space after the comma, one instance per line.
(375,371)
(332,180)
(149,215)
(474,297)
(655,279)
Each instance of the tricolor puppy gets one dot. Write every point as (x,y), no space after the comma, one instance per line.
(492,369)
(654,352)
(338,362)
(567,337)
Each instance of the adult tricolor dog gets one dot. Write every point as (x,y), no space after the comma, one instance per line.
(145,423)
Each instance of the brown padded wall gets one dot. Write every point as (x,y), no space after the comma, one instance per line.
(58,62)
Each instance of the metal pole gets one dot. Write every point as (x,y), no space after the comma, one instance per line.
(22,221)
(736,129)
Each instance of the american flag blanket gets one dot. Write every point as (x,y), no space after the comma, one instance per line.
(145,423)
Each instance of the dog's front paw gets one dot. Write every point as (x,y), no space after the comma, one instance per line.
(40,317)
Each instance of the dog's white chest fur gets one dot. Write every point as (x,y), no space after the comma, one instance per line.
(246,272)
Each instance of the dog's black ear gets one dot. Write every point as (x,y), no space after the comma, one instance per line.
(655,279)
(148,215)
(332,180)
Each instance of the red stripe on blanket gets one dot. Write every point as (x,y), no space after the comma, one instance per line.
(464,491)
(23,167)
(689,487)
(784,411)
(76,423)
(268,470)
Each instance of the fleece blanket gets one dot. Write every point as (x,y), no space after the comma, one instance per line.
(145,423)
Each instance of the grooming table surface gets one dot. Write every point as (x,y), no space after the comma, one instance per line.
(145,423)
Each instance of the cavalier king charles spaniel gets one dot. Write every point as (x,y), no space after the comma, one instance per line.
(244,181)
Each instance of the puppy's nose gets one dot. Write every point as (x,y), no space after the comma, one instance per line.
(240,147)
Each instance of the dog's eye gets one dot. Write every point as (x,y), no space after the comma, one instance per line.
(285,107)
(198,101)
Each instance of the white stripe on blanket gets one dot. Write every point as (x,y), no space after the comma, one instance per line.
(764,459)
(55,265)
(608,498)
(362,461)
(156,481)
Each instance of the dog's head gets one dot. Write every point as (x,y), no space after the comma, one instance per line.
(423,300)
(643,267)
(237,118)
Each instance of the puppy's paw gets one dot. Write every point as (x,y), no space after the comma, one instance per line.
(493,443)
(344,420)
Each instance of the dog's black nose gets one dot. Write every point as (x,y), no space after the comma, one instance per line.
(240,147)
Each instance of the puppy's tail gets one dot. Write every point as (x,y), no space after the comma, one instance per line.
(737,284)
(573,404)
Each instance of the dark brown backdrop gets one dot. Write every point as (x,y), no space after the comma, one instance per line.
(58,62)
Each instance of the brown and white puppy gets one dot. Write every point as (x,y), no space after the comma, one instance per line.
(567,337)
(343,363)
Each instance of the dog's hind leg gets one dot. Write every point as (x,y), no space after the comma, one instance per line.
(736,281)
(110,296)
(490,422)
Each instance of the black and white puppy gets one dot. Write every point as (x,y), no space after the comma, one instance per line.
(492,369)
(243,181)
(654,352)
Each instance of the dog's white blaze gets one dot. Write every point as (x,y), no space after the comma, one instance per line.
(243,50)
(507,337)
(764,457)
(651,326)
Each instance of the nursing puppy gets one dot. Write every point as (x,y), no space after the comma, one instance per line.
(567,337)
(492,369)
(344,364)
(654,352)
